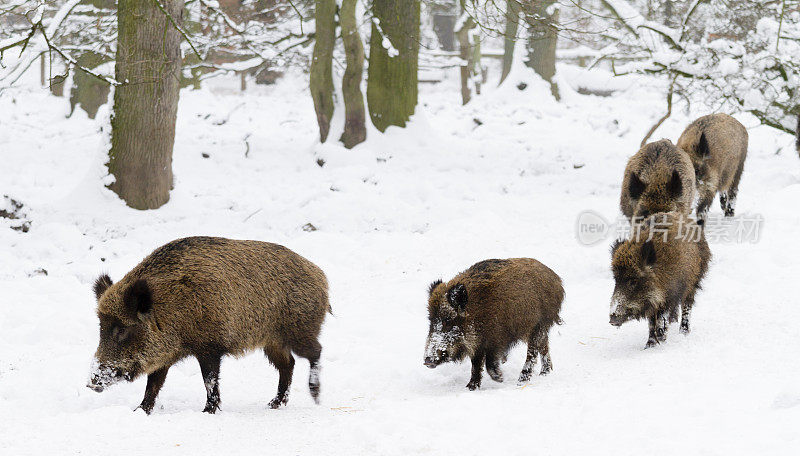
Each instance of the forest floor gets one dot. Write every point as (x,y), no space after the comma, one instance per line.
(505,176)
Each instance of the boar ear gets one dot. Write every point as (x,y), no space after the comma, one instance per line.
(675,185)
(101,285)
(138,298)
(635,186)
(648,253)
(457,297)
(433,286)
(702,146)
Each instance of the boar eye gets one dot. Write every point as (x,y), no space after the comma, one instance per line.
(120,333)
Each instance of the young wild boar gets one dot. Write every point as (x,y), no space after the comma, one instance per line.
(483,311)
(717,146)
(208,297)
(658,178)
(658,269)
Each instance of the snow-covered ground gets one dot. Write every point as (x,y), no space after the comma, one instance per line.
(505,176)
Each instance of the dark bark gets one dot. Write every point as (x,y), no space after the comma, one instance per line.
(145,106)
(88,91)
(510,38)
(392,80)
(355,131)
(322,65)
(542,40)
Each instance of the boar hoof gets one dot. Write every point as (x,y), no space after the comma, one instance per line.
(524,378)
(650,344)
(277,401)
(473,385)
(685,328)
(147,408)
(495,375)
(211,408)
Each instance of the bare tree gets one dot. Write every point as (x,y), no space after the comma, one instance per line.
(145,106)
(393,62)
(355,131)
(321,65)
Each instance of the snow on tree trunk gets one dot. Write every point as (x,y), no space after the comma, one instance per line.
(464,26)
(321,65)
(393,59)
(355,130)
(146,104)
(542,40)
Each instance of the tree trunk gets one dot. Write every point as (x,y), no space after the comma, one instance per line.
(321,65)
(510,36)
(88,91)
(543,37)
(145,106)
(392,74)
(444,21)
(466,54)
(797,136)
(355,131)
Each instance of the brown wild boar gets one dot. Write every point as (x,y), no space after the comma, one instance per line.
(658,178)
(657,270)
(485,310)
(208,297)
(717,146)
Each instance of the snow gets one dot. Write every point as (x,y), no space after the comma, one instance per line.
(395,213)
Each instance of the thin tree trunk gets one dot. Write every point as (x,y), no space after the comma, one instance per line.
(88,91)
(393,60)
(543,37)
(145,106)
(355,131)
(510,36)
(322,65)
(467,56)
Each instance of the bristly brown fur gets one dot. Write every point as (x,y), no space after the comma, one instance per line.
(208,297)
(658,178)
(433,286)
(659,270)
(495,304)
(717,147)
(101,285)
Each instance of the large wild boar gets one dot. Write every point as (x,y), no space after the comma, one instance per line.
(208,297)
(658,270)
(717,146)
(658,178)
(483,311)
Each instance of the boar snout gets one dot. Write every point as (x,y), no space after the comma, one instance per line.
(431,362)
(102,376)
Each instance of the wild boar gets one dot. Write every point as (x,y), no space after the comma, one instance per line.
(657,270)
(717,146)
(485,310)
(658,178)
(209,297)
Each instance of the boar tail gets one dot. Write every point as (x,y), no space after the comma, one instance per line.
(559,321)
(330,309)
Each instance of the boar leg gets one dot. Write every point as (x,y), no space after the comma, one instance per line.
(154,383)
(727,199)
(493,366)
(530,359)
(706,190)
(544,349)
(477,370)
(658,329)
(686,310)
(283,360)
(311,351)
(209,367)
